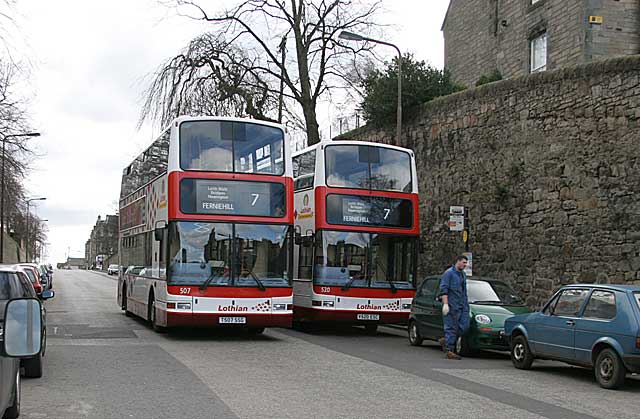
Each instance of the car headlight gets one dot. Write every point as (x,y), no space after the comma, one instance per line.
(406,306)
(184,306)
(483,319)
(279,307)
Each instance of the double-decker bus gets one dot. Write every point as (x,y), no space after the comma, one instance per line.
(357,229)
(206,226)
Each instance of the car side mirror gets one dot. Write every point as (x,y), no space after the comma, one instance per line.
(297,238)
(22,328)
(47,294)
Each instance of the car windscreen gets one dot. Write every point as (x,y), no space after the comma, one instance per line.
(492,292)
(637,295)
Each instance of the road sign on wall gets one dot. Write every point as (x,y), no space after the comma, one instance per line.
(456,222)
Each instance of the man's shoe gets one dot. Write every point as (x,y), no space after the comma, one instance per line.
(453,355)
(443,344)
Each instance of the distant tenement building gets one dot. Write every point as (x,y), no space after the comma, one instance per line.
(103,240)
(518,37)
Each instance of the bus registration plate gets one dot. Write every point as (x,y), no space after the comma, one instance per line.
(363,316)
(232,320)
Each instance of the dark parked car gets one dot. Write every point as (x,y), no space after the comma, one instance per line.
(13,342)
(32,366)
(595,326)
(490,303)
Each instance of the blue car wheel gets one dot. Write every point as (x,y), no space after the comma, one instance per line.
(521,355)
(609,369)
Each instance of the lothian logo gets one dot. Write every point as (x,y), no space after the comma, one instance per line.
(368,307)
(232,308)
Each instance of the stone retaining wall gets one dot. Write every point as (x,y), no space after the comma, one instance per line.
(549,167)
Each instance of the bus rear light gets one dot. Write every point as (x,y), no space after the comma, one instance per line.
(171,305)
(316,303)
(279,307)
(637,341)
(289,306)
(406,306)
(184,306)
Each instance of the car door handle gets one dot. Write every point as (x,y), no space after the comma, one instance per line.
(570,323)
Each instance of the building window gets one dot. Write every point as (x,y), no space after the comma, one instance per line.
(539,53)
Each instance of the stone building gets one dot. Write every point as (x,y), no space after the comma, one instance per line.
(103,240)
(518,37)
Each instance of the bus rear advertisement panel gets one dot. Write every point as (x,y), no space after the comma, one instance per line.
(229,197)
(369,211)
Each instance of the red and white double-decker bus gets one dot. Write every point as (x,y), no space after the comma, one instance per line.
(357,229)
(206,226)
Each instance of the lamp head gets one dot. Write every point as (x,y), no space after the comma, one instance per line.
(350,36)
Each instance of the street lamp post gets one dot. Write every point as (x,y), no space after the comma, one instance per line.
(350,36)
(4,141)
(27,232)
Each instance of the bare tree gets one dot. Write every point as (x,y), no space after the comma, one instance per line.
(17,156)
(247,65)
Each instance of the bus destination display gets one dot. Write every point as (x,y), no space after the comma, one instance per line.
(228,197)
(369,211)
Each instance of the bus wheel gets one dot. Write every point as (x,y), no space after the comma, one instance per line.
(124,300)
(256,331)
(371,328)
(152,317)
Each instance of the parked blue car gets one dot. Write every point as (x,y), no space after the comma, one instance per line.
(595,326)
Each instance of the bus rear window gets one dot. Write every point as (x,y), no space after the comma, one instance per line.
(368,167)
(225,146)
(230,197)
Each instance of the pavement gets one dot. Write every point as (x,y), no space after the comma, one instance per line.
(101,364)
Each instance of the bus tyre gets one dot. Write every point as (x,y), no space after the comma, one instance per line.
(13,411)
(414,335)
(371,328)
(124,301)
(521,355)
(33,366)
(152,317)
(609,369)
(256,331)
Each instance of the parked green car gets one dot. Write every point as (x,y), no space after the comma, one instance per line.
(491,302)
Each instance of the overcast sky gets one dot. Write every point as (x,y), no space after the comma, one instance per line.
(92,61)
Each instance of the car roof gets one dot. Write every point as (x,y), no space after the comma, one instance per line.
(9,268)
(616,287)
(469,278)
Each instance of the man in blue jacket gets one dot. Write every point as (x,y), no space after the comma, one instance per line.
(455,305)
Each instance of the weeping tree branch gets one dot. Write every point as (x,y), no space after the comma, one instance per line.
(249,68)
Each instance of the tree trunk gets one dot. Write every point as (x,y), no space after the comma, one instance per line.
(306,101)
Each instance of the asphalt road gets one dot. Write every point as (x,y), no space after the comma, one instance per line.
(101,364)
